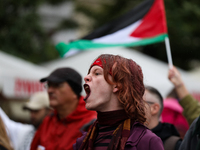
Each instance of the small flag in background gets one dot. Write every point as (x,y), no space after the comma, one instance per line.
(145,24)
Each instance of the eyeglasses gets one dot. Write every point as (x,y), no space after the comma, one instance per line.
(53,85)
(150,102)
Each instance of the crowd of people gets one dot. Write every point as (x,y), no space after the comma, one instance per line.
(118,112)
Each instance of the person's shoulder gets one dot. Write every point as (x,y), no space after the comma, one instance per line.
(150,135)
(195,121)
(143,138)
(151,140)
(190,139)
(140,127)
(195,126)
(139,131)
(79,141)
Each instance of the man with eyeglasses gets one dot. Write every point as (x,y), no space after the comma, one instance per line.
(63,127)
(167,132)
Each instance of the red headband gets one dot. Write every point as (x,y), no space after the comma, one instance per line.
(98,63)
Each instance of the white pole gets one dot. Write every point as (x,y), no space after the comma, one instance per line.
(169,56)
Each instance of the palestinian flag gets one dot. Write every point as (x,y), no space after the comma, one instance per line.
(145,24)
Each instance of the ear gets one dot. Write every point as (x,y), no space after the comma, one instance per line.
(115,88)
(155,109)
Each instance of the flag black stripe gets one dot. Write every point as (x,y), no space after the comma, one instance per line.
(127,19)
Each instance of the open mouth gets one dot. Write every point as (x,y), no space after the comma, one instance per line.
(87,91)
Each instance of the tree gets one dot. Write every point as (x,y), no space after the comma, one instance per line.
(21,33)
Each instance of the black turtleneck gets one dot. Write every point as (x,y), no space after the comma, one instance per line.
(111,118)
(107,123)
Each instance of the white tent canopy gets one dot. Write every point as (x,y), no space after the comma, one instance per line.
(19,78)
(195,73)
(155,71)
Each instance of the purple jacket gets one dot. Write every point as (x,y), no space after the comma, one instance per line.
(140,138)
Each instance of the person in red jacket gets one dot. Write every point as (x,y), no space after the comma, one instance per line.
(60,130)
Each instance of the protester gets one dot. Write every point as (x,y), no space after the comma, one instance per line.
(4,140)
(114,87)
(173,113)
(191,140)
(167,132)
(39,108)
(180,107)
(191,111)
(191,107)
(21,135)
(63,127)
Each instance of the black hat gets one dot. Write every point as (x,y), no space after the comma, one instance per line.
(69,75)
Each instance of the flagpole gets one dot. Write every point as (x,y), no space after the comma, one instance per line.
(169,56)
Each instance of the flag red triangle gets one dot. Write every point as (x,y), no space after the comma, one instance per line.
(153,23)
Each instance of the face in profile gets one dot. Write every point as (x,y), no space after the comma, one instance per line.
(60,94)
(37,116)
(98,92)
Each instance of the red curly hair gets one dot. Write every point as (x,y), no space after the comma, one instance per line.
(128,76)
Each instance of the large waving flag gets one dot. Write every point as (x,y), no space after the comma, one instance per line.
(145,24)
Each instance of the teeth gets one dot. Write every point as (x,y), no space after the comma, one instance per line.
(86,87)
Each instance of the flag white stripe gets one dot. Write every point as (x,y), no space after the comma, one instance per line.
(120,37)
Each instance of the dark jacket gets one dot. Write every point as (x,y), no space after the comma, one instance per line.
(140,138)
(166,130)
(3,148)
(191,138)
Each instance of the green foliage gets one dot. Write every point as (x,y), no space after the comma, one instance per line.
(21,33)
(102,12)
(68,23)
